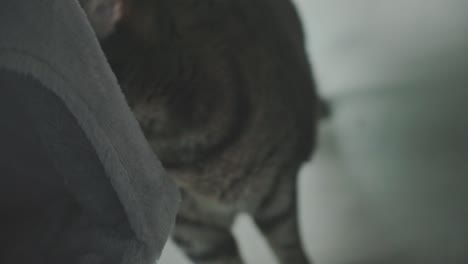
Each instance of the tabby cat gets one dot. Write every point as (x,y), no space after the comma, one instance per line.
(223,92)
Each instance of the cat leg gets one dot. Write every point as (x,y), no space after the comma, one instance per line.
(277,218)
(205,238)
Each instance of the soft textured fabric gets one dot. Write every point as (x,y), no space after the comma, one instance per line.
(51,42)
(45,158)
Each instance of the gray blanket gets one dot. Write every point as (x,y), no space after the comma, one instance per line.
(51,41)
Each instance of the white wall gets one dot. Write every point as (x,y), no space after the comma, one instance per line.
(388,183)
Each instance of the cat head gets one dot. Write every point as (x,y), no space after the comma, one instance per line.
(103,15)
(160,52)
(137,17)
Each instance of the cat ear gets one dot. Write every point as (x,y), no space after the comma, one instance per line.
(103,15)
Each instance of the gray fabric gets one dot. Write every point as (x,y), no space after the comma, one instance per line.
(52,41)
(44,155)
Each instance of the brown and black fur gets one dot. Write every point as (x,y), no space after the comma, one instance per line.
(223,91)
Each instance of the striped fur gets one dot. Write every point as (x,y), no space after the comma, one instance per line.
(224,94)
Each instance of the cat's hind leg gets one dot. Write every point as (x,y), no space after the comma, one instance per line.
(205,239)
(277,218)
